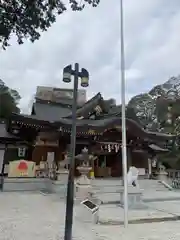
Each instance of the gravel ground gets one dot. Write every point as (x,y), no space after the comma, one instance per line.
(27,216)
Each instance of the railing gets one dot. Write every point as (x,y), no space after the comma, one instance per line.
(174,177)
(173,173)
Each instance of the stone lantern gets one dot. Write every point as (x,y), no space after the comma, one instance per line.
(83,183)
(84,159)
(161,173)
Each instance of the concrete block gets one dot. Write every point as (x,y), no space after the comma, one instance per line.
(59,187)
(25,184)
(134,198)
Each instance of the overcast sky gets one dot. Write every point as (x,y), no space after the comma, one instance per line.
(92,38)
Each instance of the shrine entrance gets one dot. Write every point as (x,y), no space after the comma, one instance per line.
(108,165)
(108,161)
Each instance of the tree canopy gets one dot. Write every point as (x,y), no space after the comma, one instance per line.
(159,110)
(28,18)
(143,105)
(9,99)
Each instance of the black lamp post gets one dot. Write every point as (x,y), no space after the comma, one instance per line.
(84,76)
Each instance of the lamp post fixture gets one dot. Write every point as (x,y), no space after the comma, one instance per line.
(68,72)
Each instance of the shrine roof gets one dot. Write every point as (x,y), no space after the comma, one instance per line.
(157,148)
(115,122)
(62,101)
(101,126)
(115,111)
(89,106)
(4,134)
(91,127)
(48,111)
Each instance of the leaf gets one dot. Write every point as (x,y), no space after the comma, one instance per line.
(9,99)
(27,19)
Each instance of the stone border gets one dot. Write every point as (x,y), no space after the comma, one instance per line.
(140,221)
(34,184)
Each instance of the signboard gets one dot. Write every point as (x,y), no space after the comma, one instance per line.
(90,211)
(89,204)
(21,168)
(21,152)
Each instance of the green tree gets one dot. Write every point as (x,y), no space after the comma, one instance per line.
(159,110)
(168,117)
(28,18)
(144,108)
(9,99)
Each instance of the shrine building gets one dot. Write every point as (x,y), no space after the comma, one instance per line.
(46,132)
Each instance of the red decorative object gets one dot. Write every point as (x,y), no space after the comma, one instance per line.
(23,166)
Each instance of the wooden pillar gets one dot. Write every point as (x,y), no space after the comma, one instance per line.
(36,155)
(61,151)
(105,160)
(129,158)
(92,170)
(149,167)
(4,149)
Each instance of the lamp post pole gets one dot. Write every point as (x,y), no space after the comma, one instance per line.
(70,186)
(84,75)
(123,117)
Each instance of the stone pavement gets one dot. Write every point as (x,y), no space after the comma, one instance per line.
(154,212)
(170,207)
(148,196)
(34,216)
(153,231)
(27,216)
(108,190)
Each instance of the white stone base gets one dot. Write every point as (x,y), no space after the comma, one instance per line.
(62,175)
(83,192)
(162,176)
(134,198)
(83,180)
(83,188)
(26,184)
(59,187)
(84,215)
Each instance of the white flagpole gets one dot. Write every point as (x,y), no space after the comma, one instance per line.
(123,117)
